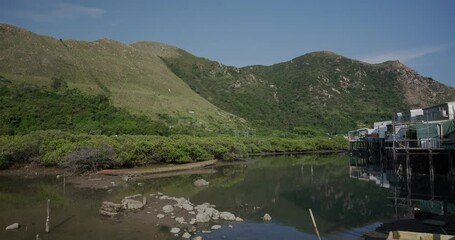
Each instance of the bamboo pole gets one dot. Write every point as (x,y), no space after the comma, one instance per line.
(48,213)
(314,224)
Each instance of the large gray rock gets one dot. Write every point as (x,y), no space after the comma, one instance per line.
(202,217)
(13,226)
(187,207)
(267,217)
(202,207)
(201,183)
(168,209)
(227,216)
(212,212)
(131,204)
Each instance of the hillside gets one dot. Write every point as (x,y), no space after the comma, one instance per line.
(320,90)
(312,94)
(131,78)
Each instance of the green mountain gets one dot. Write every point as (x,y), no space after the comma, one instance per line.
(312,94)
(131,77)
(320,90)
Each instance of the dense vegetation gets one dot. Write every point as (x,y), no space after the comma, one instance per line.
(25,108)
(317,91)
(82,152)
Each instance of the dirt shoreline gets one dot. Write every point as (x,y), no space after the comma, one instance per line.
(152,213)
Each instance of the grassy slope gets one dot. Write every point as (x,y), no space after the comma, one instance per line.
(317,90)
(26,108)
(132,78)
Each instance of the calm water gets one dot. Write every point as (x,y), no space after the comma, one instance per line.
(345,200)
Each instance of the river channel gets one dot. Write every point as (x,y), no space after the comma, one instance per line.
(346,200)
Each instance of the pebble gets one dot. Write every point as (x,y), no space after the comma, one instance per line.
(197,238)
(168,209)
(160,216)
(13,226)
(267,217)
(175,230)
(215,227)
(186,235)
(180,220)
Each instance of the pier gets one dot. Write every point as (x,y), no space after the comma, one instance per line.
(419,144)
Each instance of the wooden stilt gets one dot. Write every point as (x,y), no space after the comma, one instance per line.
(48,214)
(430,159)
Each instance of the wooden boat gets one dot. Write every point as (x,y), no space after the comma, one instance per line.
(403,235)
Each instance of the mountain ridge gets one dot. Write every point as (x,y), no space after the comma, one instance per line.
(319,90)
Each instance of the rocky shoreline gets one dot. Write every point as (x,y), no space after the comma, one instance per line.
(183,218)
(177,215)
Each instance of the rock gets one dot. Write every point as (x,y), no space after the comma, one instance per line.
(202,207)
(192,213)
(140,184)
(175,230)
(215,227)
(227,216)
(192,221)
(131,204)
(159,194)
(133,196)
(238,219)
(187,207)
(168,209)
(197,238)
(13,226)
(107,213)
(230,226)
(267,217)
(160,216)
(164,197)
(111,207)
(202,217)
(212,212)
(180,201)
(201,183)
(180,220)
(186,235)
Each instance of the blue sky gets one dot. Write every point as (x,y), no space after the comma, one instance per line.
(420,34)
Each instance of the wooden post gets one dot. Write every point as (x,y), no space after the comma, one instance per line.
(314,224)
(430,158)
(408,173)
(48,213)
